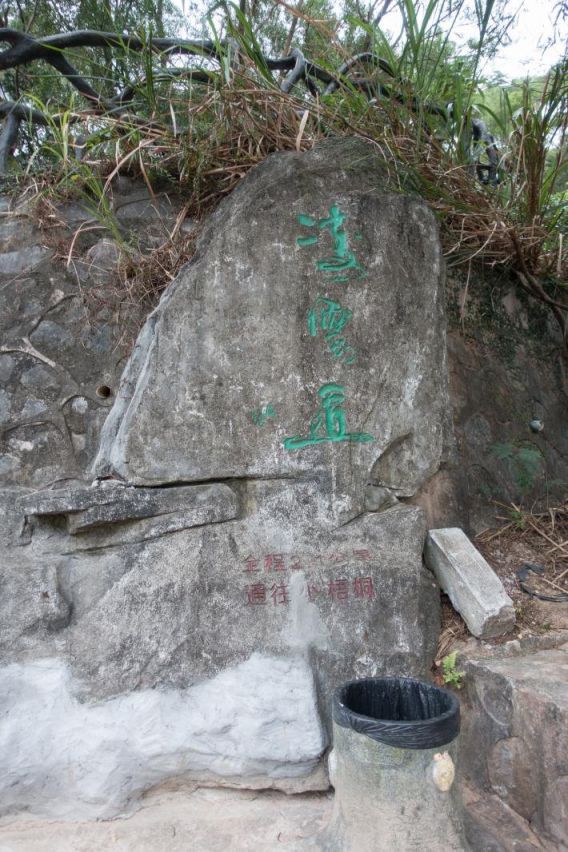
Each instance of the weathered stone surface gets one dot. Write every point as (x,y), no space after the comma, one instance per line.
(113,503)
(514,737)
(500,379)
(32,605)
(237,351)
(150,610)
(18,262)
(272,581)
(53,351)
(14,231)
(168,612)
(297,367)
(492,826)
(471,584)
(256,720)
(213,820)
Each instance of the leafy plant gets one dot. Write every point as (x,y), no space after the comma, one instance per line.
(525,461)
(450,674)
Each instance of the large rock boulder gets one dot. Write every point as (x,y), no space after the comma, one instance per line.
(306,336)
(286,396)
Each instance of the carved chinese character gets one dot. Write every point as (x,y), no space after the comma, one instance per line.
(328,423)
(343,258)
(274,562)
(256,594)
(338,590)
(331,317)
(251,563)
(261,415)
(336,556)
(363,587)
(279,593)
(363,555)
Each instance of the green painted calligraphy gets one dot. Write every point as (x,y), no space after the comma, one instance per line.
(328,424)
(260,415)
(343,259)
(331,318)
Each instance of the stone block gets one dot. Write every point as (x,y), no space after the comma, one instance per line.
(471,584)
(105,504)
(492,826)
(307,334)
(514,742)
(18,262)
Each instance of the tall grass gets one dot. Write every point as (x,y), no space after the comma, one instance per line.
(201,128)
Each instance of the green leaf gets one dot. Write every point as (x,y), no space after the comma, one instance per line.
(503,452)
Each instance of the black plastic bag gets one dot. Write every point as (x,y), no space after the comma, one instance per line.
(398,711)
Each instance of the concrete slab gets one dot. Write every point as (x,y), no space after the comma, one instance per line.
(200,820)
(474,589)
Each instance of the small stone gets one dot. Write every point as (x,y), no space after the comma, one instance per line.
(52,335)
(5,406)
(102,259)
(471,584)
(41,378)
(7,365)
(378,499)
(33,407)
(16,262)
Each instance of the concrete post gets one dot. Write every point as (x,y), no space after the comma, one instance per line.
(394,798)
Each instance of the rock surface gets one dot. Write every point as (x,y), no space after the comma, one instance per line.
(112,503)
(514,736)
(177,611)
(255,724)
(168,610)
(306,335)
(500,380)
(471,584)
(492,826)
(65,330)
(286,395)
(53,359)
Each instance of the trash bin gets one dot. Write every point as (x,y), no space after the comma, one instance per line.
(392,767)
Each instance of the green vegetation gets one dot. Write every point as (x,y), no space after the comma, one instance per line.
(525,462)
(450,675)
(200,121)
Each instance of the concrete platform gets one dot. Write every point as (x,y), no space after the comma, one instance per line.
(201,820)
